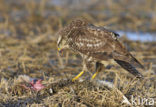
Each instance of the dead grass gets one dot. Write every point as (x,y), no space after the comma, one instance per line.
(28,47)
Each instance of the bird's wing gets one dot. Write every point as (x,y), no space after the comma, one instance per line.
(91,39)
(96,42)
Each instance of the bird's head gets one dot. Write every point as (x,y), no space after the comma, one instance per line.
(62,41)
(63,34)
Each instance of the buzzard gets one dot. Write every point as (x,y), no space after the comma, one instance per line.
(96,44)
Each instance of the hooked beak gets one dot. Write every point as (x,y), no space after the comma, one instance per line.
(60,51)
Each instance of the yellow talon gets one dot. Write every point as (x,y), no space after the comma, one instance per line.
(79,75)
(94,75)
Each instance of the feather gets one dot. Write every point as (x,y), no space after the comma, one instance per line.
(136,62)
(130,68)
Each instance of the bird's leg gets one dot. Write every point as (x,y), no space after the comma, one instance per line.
(83,70)
(79,75)
(98,68)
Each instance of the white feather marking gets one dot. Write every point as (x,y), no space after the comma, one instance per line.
(89,45)
(81,44)
(59,39)
(98,29)
(90,59)
(80,39)
(113,36)
(98,44)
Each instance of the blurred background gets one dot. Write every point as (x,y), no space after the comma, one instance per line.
(28,47)
(136,18)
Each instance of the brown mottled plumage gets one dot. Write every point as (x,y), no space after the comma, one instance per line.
(96,44)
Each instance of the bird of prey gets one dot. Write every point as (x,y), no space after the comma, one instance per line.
(96,44)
